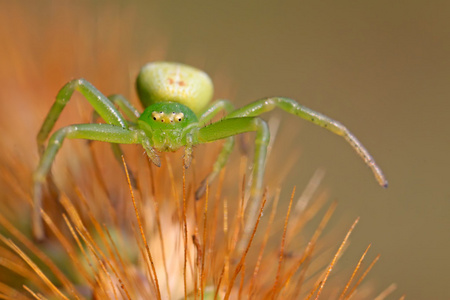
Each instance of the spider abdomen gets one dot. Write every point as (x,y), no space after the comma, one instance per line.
(175,82)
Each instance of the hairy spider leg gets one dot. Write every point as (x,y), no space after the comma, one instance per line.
(132,114)
(227,147)
(217,106)
(98,132)
(258,107)
(233,126)
(291,106)
(127,108)
(104,107)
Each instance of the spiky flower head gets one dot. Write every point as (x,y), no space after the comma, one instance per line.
(138,234)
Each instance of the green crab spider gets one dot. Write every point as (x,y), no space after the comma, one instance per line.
(175,97)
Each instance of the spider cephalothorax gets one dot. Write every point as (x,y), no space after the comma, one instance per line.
(175,98)
(166,124)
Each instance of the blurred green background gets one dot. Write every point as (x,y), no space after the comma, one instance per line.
(380,67)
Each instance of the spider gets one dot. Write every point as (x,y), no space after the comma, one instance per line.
(176,114)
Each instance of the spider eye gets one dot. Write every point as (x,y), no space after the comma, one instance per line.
(170,118)
(156,116)
(179,117)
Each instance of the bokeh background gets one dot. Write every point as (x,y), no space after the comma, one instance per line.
(380,67)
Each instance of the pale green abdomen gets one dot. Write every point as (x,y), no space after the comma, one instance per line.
(166,81)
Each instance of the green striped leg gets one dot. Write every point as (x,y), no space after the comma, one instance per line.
(99,132)
(212,111)
(132,114)
(228,146)
(104,107)
(122,103)
(233,126)
(258,107)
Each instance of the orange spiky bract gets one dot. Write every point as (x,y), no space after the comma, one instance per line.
(107,240)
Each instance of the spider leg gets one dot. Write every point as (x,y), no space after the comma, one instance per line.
(233,126)
(213,110)
(218,165)
(104,107)
(227,147)
(258,107)
(99,132)
(132,114)
(118,153)
(188,150)
(128,109)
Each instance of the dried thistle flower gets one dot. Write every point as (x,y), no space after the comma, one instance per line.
(109,241)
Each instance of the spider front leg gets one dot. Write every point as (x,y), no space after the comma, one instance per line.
(291,106)
(98,132)
(233,126)
(227,147)
(127,108)
(218,165)
(104,107)
(208,114)
(132,114)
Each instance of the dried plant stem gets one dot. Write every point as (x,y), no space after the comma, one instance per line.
(264,242)
(184,233)
(30,262)
(311,245)
(283,243)
(205,235)
(354,273)
(363,276)
(386,292)
(335,258)
(241,262)
(147,248)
